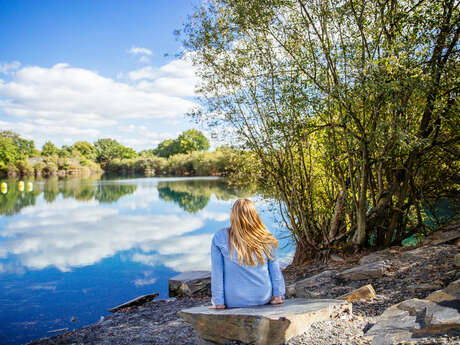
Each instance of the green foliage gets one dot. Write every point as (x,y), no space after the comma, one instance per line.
(187,142)
(86,149)
(81,157)
(25,148)
(24,168)
(349,108)
(49,149)
(167,148)
(192,140)
(8,152)
(108,149)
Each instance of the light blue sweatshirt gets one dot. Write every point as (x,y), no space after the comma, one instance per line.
(238,285)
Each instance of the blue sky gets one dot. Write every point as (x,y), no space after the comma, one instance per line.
(83,70)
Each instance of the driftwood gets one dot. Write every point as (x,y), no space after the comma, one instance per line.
(135,302)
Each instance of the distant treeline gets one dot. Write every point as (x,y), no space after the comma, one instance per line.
(184,156)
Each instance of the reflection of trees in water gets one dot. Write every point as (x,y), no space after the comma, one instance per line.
(14,200)
(82,189)
(112,192)
(193,195)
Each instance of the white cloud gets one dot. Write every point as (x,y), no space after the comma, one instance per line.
(139,50)
(146,281)
(177,77)
(7,67)
(65,102)
(144,59)
(64,93)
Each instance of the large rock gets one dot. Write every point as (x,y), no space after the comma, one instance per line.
(190,283)
(447,234)
(374,257)
(261,325)
(364,292)
(303,287)
(368,271)
(438,314)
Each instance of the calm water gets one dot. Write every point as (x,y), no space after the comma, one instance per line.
(77,247)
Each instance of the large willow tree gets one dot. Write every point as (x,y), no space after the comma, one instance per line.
(350,106)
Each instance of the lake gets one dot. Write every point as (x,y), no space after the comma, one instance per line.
(76,247)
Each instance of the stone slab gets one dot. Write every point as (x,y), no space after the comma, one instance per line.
(262,325)
(190,283)
(368,271)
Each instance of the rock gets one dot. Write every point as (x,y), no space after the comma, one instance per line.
(367,271)
(364,292)
(373,257)
(447,236)
(457,260)
(423,287)
(290,291)
(190,283)
(438,314)
(393,326)
(135,302)
(261,325)
(337,258)
(303,287)
(59,330)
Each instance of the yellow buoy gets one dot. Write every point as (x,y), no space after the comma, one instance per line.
(21,186)
(4,188)
(30,186)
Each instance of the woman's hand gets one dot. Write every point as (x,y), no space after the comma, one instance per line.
(277,300)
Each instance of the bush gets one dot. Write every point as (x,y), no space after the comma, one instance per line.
(38,168)
(50,169)
(24,168)
(11,170)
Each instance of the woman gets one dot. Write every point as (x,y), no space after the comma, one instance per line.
(245,271)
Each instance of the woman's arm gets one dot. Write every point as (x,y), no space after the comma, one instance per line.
(276,277)
(217,276)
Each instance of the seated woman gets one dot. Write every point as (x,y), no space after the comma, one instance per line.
(245,271)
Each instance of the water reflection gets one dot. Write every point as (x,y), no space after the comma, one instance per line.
(16,197)
(193,196)
(101,242)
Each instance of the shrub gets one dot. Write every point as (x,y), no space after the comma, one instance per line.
(24,167)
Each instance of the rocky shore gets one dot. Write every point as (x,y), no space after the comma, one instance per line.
(397,274)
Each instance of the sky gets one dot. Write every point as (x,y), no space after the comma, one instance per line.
(90,69)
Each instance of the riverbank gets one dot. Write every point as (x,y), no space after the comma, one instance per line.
(411,273)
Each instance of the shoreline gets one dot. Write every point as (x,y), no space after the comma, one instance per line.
(156,322)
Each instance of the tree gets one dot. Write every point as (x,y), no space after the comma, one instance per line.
(192,140)
(49,149)
(26,148)
(349,106)
(166,148)
(8,152)
(188,141)
(85,148)
(108,149)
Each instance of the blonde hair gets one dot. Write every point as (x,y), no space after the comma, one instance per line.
(248,235)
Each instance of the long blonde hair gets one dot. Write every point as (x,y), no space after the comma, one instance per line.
(248,235)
